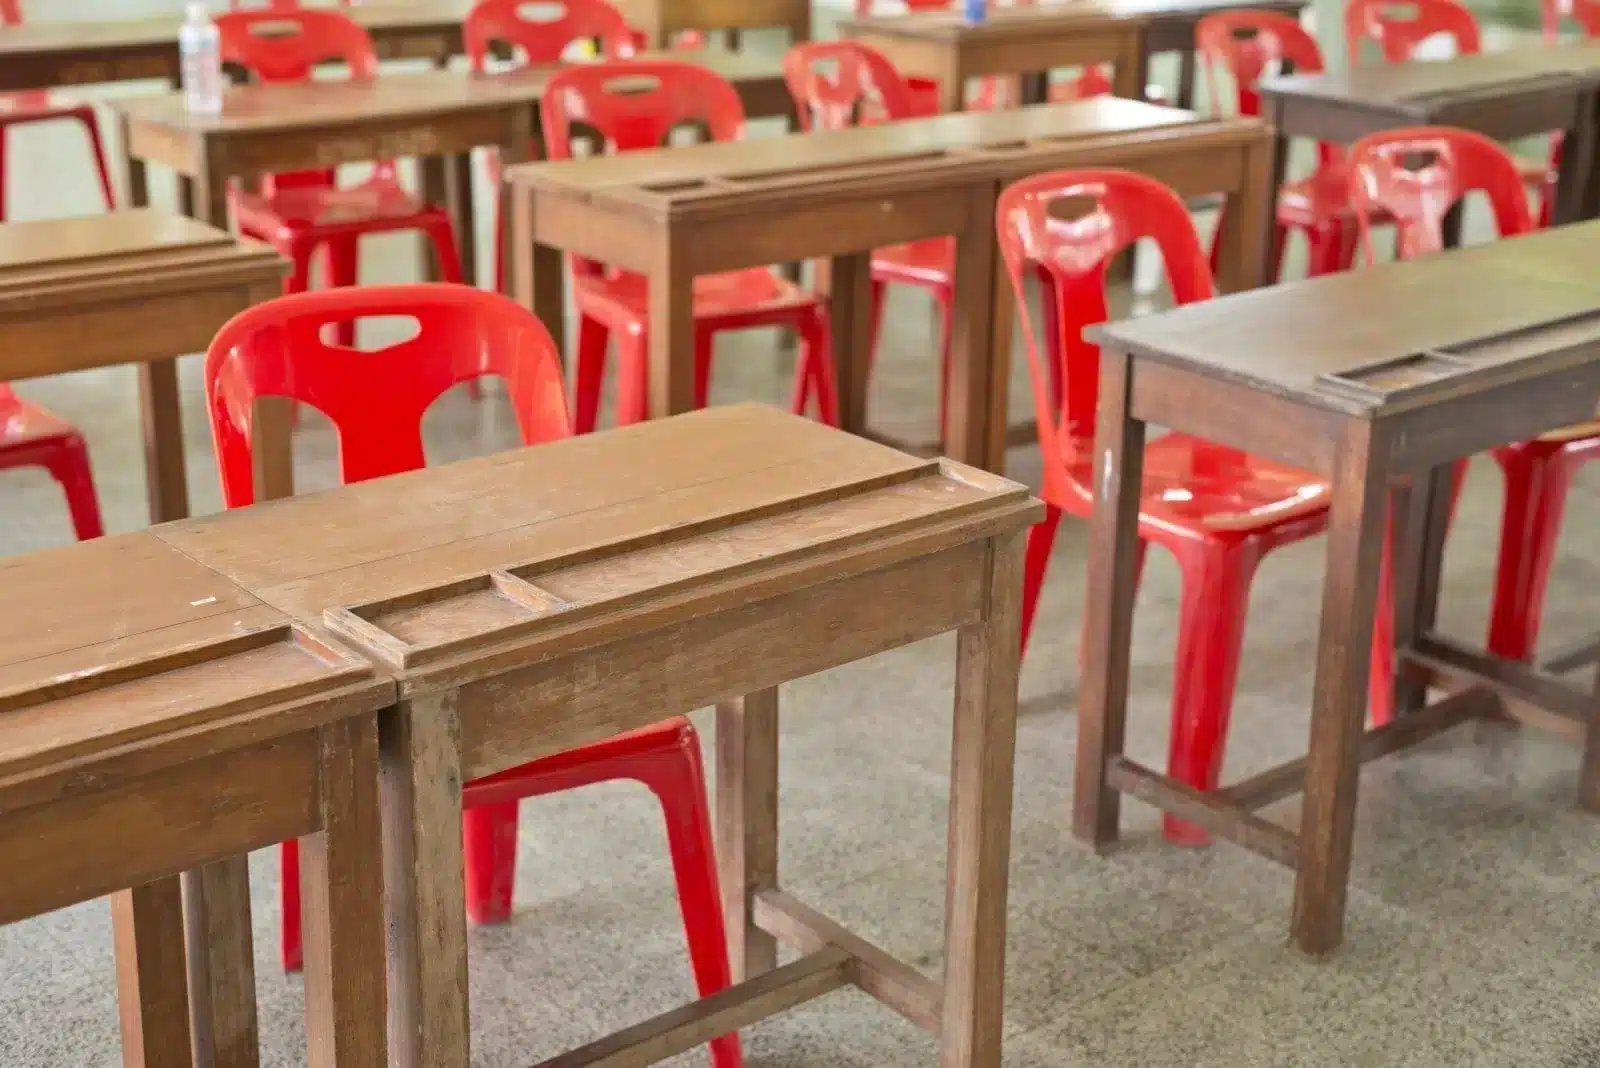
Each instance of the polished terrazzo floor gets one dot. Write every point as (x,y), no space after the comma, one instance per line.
(1477,885)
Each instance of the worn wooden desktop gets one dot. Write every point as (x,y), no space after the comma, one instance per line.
(45,55)
(1519,93)
(129,287)
(154,719)
(661,19)
(1024,41)
(677,213)
(1371,377)
(540,599)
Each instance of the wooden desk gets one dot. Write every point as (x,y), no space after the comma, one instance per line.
(626,576)
(1025,41)
(156,719)
(1168,26)
(838,195)
(127,287)
(1505,95)
(660,20)
(45,55)
(1371,377)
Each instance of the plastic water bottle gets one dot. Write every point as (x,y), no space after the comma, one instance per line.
(200,50)
(976,11)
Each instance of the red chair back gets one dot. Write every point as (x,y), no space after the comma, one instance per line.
(637,104)
(542,40)
(862,87)
(1418,175)
(1064,229)
(1586,13)
(10,12)
(1399,27)
(273,5)
(1251,45)
(376,400)
(864,7)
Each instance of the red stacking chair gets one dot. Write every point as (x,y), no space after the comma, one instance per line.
(277,350)
(31,436)
(301,212)
(1218,510)
(43,105)
(1586,13)
(1417,176)
(634,105)
(1400,29)
(1252,44)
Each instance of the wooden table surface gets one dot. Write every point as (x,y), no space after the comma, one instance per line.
(660,19)
(677,213)
(543,598)
(128,287)
(1379,378)
(155,718)
(45,54)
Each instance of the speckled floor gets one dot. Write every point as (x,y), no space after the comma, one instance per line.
(1477,885)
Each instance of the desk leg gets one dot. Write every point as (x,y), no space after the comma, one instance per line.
(1186,80)
(747,824)
(849,286)
(980,343)
(222,969)
(1243,255)
(342,888)
(458,200)
(434,188)
(1589,772)
(1420,514)
(152,988)
(161,414)
(424,897)
(981,779)
(1131,70)
(1578,182)
(1338,707)
(952,83)
(671,344)
(1266,220)
(1108,619)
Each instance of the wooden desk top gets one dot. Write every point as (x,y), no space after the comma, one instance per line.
(1400,84)
(111,644)
(1379,339)
(52,263)
(254,108)
(728,176)
(1067,14)
(463,571)
(87,38)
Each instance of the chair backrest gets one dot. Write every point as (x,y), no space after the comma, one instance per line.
(286,44)
(1417,175)
(10,12)
(1251,45)
(1064,228)
(543,31)
(1399,27)
(861,88)
(637,104)
(271,5)
(1586,13)
(376,400)
(866,7)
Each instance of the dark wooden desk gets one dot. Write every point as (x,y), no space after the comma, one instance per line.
(129,287)
(1505,95)
(45,55)
(660,20)
(536,600)
(1371,377)
(676,213)
(156,719)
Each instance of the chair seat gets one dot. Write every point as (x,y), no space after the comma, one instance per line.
(1319,197)
(37,105)
(928,262)
(23,423)
(303,209)
(621,298)
(1197,486)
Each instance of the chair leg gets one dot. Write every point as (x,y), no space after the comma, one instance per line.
(589,375)
(814,373)
(678,781)
(1536,498)
(633,379)
(97,149)
(1326,244)
(1040,541)
(343,255)
(705,347)
(69,466)
(1280,238)
(489,843)
(1216,593)
(289,947)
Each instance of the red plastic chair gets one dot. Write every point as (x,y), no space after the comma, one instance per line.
(301,212)
(1586,13)
(1250,45)
(1218,510)
(45,105)
(1400,28)
(636,105)
(1418,175)
(31,436)
(276,349)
